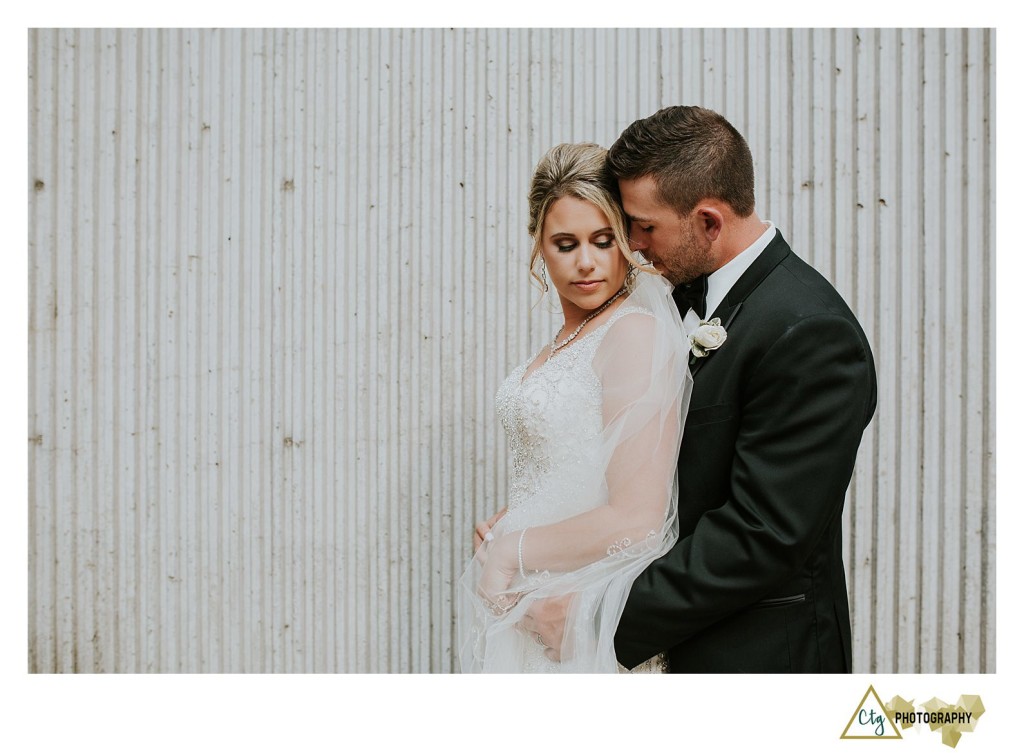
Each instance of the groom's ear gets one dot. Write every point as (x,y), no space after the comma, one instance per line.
(711,220)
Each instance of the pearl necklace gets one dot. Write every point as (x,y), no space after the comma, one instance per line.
(555,347)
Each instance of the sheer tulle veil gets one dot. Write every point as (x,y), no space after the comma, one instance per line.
(641,364)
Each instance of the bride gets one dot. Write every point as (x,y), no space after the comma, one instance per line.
(594,423)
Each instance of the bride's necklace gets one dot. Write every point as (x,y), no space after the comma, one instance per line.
(556,346)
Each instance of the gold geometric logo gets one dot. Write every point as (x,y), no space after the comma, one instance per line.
(871,720)
(952,720)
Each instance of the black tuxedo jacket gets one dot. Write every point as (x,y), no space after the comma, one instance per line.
(756,581)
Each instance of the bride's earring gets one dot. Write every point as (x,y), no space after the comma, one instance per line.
(544,275)
(630,277)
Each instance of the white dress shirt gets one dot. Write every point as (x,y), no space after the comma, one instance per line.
(720,281)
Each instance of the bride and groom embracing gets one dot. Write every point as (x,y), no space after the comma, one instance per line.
(682,448)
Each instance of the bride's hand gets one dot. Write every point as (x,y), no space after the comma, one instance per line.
(483,528)
(500,565)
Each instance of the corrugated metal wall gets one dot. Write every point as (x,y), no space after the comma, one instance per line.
(277,276)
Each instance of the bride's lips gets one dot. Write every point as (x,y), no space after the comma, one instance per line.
(588,285)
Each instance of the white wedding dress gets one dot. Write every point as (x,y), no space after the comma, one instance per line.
(589,427)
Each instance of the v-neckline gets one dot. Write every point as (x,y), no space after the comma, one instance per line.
(527,374)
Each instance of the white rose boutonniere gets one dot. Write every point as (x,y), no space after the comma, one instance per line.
(707,337)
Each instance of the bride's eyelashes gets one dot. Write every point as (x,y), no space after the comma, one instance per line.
(603,244)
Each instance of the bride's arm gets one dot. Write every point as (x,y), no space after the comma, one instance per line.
(642,367)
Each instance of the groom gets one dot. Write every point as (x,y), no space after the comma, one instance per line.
(756,581)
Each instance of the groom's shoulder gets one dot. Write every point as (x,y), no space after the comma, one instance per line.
(796,290)
(795,299)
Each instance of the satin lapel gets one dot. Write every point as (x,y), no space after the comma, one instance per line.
(729,309)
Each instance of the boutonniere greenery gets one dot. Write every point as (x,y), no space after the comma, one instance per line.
(709,336)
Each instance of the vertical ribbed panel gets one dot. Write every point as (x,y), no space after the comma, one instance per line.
(277,276)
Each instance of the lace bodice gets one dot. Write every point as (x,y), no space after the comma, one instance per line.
(553,422)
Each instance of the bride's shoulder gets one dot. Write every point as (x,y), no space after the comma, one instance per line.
(635,331)
(628,327)
(628,309)
(631,319)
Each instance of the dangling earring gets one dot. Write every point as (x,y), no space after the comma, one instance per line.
(630,278)
(544,275)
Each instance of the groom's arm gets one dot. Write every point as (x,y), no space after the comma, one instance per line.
(805,408)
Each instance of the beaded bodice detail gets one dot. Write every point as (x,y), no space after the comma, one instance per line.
(553,422)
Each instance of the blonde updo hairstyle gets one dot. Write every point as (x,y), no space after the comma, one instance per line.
(581,171)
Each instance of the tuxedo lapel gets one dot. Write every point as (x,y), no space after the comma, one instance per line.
(728,310)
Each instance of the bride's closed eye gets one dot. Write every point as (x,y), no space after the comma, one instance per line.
(566,247)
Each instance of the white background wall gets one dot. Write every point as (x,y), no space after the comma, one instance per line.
(275,278)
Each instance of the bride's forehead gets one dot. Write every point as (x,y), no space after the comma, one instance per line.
(573,214)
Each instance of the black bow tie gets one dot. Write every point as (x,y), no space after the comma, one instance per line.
(692,296)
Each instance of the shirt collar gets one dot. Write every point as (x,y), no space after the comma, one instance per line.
(720,281)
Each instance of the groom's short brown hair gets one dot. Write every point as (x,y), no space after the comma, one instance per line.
(692,153)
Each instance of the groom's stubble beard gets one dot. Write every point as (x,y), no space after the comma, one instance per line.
(691,258)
